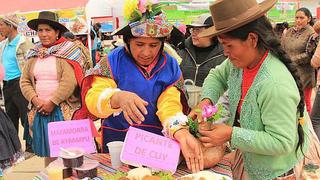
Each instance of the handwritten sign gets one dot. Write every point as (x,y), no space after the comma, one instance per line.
(69,134)
(149,149)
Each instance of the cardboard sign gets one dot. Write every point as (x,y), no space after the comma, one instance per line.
(69,134)
(149,149)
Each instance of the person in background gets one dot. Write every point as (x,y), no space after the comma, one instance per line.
(13,52)
(200,54)
(50,80)
(84,50)
(2,38)
(10,151)
(140,85)
(95,39)
(281,29)
(315,63)
(268,127)
(294,43)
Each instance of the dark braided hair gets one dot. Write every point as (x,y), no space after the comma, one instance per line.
(269,41)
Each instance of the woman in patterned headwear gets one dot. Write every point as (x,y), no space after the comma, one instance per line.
(50,79)
(141,85)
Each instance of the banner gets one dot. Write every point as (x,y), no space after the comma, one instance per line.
(74,19)
(70,134)
(107,23)
(145,148)
(183,17)
(283,11)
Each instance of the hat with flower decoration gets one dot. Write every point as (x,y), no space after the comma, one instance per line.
(145,18)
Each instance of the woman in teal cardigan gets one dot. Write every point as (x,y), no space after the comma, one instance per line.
(267,126)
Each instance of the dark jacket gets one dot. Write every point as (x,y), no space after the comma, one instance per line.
(295,42)
(199,71)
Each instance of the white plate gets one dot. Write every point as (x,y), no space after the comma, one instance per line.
(208,175)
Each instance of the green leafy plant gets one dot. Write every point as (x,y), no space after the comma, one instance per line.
(209,113)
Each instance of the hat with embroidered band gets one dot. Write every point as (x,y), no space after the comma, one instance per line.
(146,19)
(47,17)
(228,15)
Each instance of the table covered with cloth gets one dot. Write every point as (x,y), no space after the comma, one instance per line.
(105,168)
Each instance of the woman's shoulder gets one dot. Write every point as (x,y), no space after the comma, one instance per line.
(276,72)
(117,51)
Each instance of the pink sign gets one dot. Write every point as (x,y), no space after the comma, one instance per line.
(67,134)
(149,149)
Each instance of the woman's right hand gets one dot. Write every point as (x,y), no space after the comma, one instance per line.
(194,115)
(133,107)
(38,103)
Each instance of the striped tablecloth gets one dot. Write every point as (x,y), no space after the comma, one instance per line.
(105,168)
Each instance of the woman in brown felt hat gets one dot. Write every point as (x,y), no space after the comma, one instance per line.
(50,79)
(268,125)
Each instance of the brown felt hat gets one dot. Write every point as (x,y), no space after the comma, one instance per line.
(228,15)
(47,17)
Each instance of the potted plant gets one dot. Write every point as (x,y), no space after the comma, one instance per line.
(209,115)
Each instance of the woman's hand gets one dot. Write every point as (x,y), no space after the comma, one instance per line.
(38,103)
(218,135)
(194,115)
(133,107)
(191,150)
(47,108)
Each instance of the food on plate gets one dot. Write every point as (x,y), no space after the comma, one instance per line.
(151,178)
(204,175)
(139,173)
(67,172)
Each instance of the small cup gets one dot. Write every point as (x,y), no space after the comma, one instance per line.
(115,148)
(74,160)
(88,169)
(55,173)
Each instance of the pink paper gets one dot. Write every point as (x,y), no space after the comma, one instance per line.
(69,134)
(149,149)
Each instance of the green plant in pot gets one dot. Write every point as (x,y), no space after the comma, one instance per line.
(209,114)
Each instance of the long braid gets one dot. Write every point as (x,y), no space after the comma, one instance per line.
(273,43)
(268,40)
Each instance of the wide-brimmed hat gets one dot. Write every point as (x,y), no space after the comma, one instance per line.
(11,19)
(47,17)
(228,15)
(146,19)
(203,20)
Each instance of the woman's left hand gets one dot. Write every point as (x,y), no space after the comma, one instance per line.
(47,108)
(218,135)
